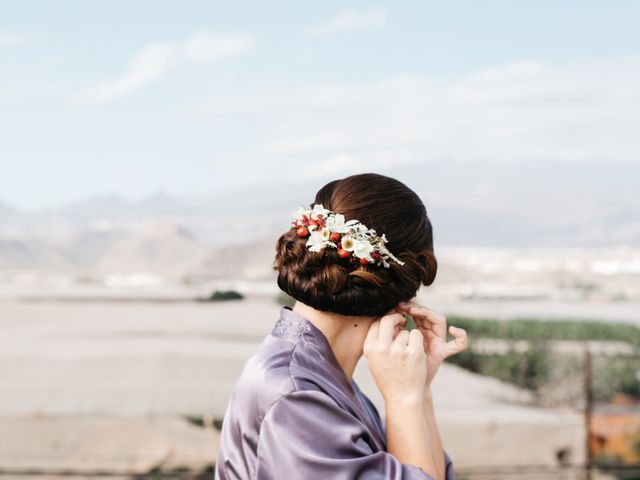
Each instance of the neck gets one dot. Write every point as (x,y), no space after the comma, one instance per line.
(345,333)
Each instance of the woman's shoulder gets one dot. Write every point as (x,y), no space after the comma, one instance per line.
(268,375)
(263,380)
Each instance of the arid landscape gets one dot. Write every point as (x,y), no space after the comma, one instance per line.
(131,374)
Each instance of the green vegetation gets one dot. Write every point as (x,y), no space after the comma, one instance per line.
(285,299)
(197,421)
(528,369)
(533,329)
(184,472)
(615,374)
(217,423)
(539,365)
(221,295)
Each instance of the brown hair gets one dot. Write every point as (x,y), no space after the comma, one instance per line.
(327,282)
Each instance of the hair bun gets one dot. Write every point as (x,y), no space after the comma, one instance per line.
(325,281)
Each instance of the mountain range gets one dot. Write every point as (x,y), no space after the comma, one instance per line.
(545,204)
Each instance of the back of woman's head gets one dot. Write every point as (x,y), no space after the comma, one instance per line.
(325,281)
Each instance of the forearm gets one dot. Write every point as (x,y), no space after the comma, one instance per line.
(408,437)
(434,434)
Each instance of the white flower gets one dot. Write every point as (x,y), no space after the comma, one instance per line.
(318,209)
(353,231)
(356,237)
(315,241)
(335,222)
(363,249)
(319,239)
(300,213)
(347,243)
(358,230)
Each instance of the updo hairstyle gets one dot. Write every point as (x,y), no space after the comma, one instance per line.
(325,281)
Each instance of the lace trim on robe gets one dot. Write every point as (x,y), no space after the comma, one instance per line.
(293,328)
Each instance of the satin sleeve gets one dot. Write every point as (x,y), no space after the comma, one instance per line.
(305,434)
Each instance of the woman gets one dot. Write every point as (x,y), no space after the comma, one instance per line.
(352,262)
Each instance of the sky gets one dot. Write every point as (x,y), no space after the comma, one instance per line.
(189,98)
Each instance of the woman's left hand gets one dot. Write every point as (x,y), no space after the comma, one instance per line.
(433,326)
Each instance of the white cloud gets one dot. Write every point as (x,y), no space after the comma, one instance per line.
(155,60)
(350,21)
(203,47)
(524,111)
(151,63)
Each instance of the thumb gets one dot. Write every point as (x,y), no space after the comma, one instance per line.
(459,343)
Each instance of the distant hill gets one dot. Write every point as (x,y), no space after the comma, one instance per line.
(515,205)
(159,247)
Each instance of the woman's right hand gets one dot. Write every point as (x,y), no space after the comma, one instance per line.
(398,365)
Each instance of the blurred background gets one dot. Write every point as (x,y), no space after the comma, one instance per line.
(152,152)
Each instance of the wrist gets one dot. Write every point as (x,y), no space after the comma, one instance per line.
(404,400)
(428,395)
(402,409)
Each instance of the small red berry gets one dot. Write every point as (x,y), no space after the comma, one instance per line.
(343,253)
(363,261)
(302,232)
(376,255)
(334,237)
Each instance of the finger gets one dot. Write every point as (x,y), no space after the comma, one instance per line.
(459,343)
(416,339)
(424,325)
(400,326)
(406,303)
(402,339)
(387,327)
(413,306)
(427,319)
(425,312)
(372,334)
(403,308)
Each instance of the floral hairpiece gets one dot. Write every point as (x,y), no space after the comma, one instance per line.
(352,239)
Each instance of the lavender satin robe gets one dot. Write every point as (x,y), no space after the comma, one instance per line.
(294,414)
